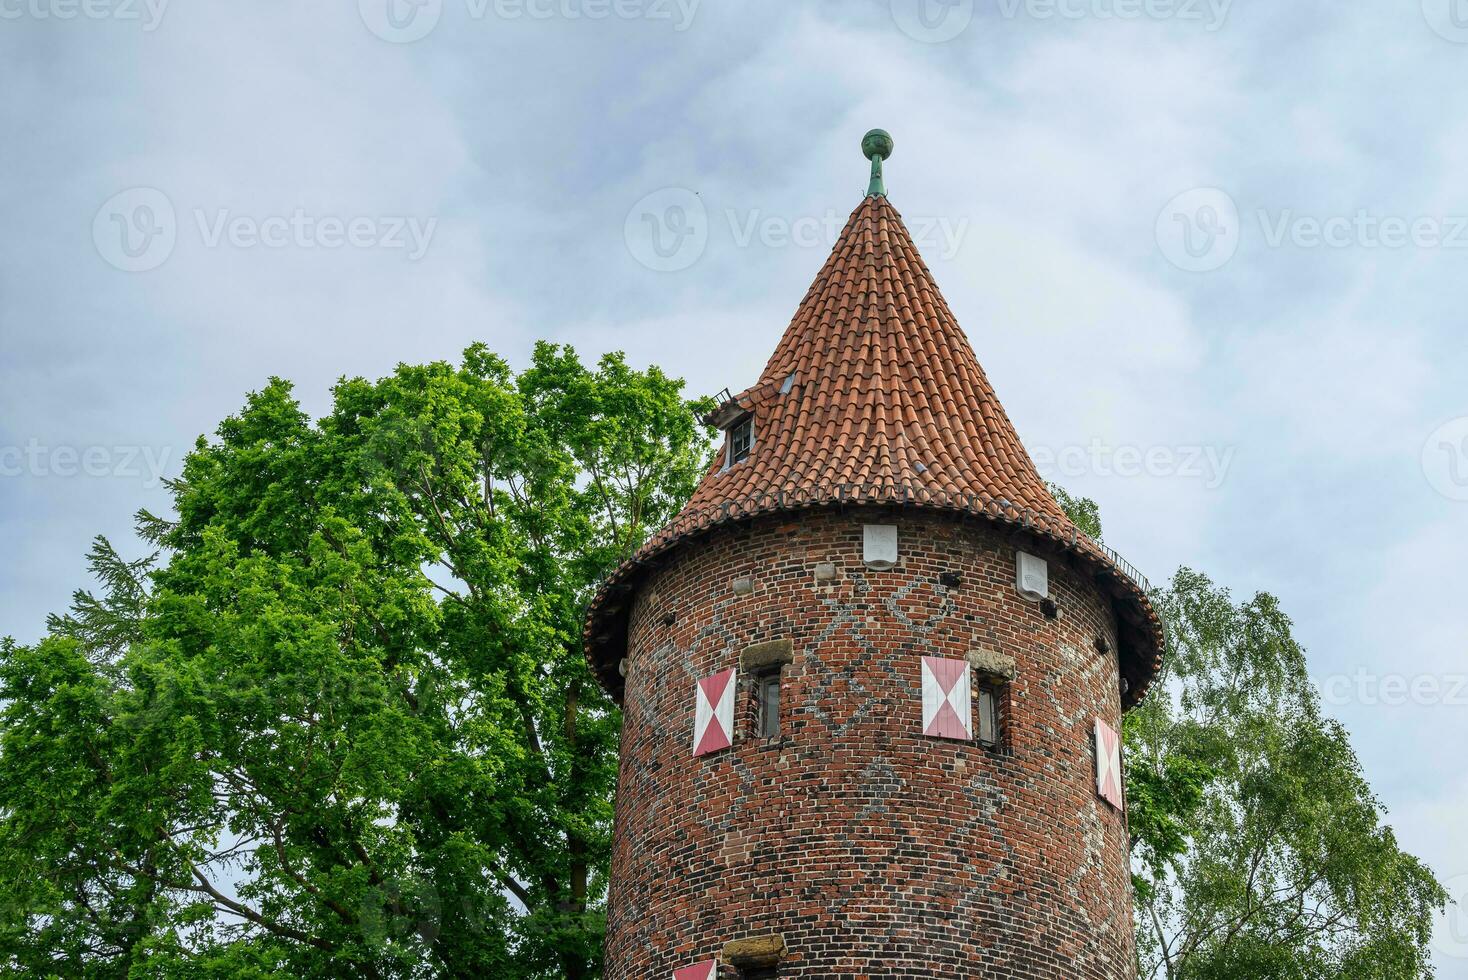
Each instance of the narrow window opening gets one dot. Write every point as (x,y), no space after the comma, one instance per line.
(767,703)
(759,973)
(989,720)
(741,441)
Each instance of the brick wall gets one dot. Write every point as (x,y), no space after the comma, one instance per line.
(873,850)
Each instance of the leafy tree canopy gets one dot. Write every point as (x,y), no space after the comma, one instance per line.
(1258,850)
(344,727)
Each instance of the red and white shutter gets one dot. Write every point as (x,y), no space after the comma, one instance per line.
(713,713)
(1108,764)
(703,971)
(947,699)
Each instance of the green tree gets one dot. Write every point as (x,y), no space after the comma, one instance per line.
(1258,850)
(344,727)
(1082,510)
(1265,851)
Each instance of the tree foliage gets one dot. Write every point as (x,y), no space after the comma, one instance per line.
(1081,510)
(1258,849)
(1261,849)
(344,727)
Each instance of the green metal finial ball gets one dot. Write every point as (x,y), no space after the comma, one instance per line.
(877,143)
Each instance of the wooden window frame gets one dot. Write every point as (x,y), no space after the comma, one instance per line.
(767,681)
(991,699)
(741,431)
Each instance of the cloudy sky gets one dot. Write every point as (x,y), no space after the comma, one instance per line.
(1211,254)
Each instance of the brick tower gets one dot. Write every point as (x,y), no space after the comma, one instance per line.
(871,676)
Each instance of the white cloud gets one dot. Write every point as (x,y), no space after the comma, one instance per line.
(1055,144)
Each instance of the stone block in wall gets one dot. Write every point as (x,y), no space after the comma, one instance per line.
(992,663)
(767,654)
(755,951)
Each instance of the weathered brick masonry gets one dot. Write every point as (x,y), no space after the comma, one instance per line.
(872,850)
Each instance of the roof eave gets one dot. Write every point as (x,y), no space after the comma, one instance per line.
(1141,636)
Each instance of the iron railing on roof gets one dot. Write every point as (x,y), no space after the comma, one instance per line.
(1124,566)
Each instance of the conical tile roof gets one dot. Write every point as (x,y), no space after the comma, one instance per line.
(874,395)
(881,389)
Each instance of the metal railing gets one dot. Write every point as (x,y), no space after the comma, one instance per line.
(1125,567)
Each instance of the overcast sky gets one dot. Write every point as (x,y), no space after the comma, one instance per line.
(1211,254)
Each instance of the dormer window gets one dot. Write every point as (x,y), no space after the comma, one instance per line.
(739,440)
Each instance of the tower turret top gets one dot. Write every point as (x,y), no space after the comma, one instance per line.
(875,396)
